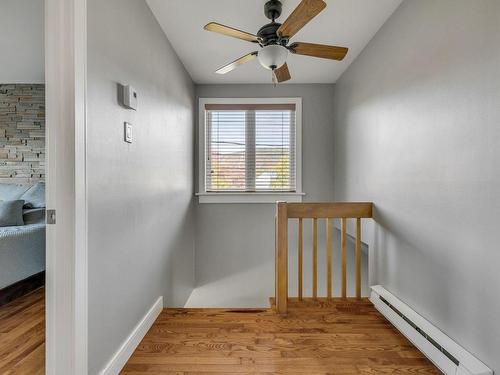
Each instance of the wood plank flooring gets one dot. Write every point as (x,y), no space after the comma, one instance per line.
(22,335)
(317,337)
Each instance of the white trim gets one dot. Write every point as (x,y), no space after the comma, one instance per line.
(122,355)
(468,364)
(81,189)
(232,197)
(257,197)
(66,259)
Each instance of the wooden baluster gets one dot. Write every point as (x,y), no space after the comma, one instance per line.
(329,255)
(276,257)
(315,258)
(344,258)
(282,259)
(358,258)
(300,258)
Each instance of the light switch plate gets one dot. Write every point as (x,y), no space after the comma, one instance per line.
(127,131)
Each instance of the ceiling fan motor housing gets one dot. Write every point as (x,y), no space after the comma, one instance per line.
(268,34)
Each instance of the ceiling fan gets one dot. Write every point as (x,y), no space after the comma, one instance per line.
(273,38)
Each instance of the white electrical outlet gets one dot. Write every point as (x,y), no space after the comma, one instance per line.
(127,132)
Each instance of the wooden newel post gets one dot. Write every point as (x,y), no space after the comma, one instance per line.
(281,257)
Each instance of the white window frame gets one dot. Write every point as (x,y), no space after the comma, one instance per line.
(249,197)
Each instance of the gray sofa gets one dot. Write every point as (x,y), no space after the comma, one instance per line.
(22,248)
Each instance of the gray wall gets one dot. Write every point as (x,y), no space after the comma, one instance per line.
(236,241)
(417,132)
(141,241)
(21,41)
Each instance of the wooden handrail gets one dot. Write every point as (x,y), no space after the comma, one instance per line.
(329,210)
(315,211)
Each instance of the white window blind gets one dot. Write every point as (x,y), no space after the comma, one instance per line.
(250,148)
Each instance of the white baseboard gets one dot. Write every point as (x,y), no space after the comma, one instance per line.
(446,354)
(122,355)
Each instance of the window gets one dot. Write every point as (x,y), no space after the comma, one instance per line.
(250,150)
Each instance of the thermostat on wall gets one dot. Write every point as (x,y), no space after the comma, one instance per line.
(129,97)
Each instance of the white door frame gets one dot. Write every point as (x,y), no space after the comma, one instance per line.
(66,280)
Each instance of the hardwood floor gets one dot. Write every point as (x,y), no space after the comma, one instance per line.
(22,335)
(318,337)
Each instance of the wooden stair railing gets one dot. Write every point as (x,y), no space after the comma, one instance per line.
(315,211)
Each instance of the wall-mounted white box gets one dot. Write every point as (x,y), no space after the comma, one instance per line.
(129,97)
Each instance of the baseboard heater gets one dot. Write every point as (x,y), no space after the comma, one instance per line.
(446,354)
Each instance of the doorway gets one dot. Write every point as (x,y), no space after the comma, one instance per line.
(59,307)
(22,187)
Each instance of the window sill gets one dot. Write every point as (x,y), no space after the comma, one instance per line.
(249,197)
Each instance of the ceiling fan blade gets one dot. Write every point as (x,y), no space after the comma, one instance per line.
(305,12)
(282,74)
(231,66)
(319,50)
(230,31)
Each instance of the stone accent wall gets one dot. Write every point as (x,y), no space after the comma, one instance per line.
(22,132)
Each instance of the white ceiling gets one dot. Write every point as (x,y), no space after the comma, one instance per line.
(348,23)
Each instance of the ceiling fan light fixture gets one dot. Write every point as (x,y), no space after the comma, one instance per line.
(274,37)
(273,56)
